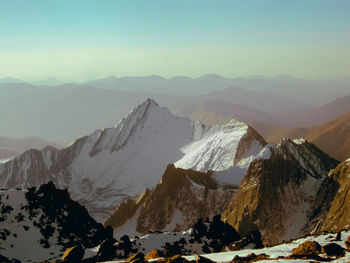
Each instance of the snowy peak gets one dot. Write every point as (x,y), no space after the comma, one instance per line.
(210,150)
(116,138)
(307,155)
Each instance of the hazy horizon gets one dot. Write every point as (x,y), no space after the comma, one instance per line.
(87,40)
(75,80)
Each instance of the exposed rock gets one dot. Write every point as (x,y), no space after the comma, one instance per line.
(4,259)
(333,249)
(107,250)
(175,204)
(73,254)
(331,214)
(253,238)
(338,216)
(155,253)
(338,237)
(308,248)
(137,258)
(175,259)
(203,237)
(249,258)
(171,250)
(347,243)
(278,190)
(125,248)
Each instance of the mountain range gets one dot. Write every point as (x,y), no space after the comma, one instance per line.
(11,146)
(155,171)
(63,112)
(314,91)
(106,164)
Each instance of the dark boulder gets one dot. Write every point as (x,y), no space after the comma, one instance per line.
(107,250)
(254,237)
(333,249)
(249,258)
(73,254)
(4,259)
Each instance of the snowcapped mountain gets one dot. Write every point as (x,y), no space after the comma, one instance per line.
(40,223)
(277,195)
(111,165)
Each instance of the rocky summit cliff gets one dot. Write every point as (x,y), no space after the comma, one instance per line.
(111,165)
(40,223)
(331,209)
(277,195)
(175,204)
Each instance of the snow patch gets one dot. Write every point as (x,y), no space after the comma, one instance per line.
(129,228)
(176,219)
(299,141)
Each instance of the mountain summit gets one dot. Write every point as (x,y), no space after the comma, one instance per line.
(111,165)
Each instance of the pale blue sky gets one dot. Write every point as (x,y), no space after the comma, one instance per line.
(88,39)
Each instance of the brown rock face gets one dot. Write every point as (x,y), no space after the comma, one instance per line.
(308,248)
(177,202)
(347,244)
(276,194)
(246,142)
(338,216)
(332,211)
(139,258)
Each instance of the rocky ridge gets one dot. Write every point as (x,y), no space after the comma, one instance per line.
(175,204)
(277,194)
(331,210)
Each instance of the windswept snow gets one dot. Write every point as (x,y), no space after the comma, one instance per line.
(176,219)
(215,149)
(234,174)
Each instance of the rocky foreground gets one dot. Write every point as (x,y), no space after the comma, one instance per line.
(324,248)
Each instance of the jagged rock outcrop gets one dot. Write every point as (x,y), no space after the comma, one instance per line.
(175,204)
(40,223)
(112,165)
(331,211)
(277,194)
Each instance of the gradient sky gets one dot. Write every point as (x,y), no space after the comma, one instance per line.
(78,40)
